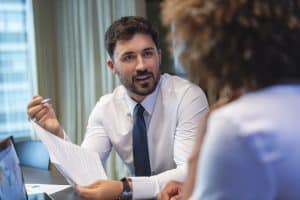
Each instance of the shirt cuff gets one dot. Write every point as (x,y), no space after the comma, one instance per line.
(144,187)
(66,137)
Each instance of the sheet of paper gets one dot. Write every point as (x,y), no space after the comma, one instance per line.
(47,188)
(76,164)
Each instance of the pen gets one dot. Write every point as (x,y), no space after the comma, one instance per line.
(45,101)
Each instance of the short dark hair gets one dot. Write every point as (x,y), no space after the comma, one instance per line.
(240,43)
(124,29)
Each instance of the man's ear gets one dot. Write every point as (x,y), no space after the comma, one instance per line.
(111,66)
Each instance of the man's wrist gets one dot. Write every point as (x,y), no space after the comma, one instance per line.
(126,193)
(61,132)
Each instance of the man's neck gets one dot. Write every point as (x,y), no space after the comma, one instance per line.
(135,97)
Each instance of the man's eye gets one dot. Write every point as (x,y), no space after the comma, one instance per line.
(128,58)
(148,54)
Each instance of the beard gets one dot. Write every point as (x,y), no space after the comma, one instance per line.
(142,83)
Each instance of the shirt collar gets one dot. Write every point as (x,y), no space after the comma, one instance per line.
(148,103)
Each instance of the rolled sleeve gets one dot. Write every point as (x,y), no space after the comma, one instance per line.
(144,187)
(149,187)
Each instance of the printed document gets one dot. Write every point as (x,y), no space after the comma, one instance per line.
(41,188)
(77,165)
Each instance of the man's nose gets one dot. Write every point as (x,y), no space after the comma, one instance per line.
(140,63)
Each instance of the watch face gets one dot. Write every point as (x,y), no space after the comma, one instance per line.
(125,196)
(125,193)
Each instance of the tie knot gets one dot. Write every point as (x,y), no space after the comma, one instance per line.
(138,110)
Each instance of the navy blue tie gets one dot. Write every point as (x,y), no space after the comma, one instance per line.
(140,144)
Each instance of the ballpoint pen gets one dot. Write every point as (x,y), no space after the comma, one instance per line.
(45,101)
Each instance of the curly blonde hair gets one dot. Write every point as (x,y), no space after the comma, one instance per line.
(240,43)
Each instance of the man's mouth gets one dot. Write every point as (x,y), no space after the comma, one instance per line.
(144,77)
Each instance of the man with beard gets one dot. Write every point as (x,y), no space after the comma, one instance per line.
(172,110)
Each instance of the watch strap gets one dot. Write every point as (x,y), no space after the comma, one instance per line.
(127,191)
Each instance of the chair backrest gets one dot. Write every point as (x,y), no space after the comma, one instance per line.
(33,153)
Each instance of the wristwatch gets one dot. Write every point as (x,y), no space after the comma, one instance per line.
(127,191)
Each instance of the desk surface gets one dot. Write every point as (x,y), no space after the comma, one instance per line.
(32,175)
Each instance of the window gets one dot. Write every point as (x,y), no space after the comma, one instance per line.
(17,70)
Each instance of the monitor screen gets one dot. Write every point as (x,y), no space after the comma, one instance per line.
(11,179)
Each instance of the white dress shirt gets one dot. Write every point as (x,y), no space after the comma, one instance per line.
(252,148)
(173,116)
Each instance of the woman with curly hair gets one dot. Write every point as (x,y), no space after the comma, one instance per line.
(251,147)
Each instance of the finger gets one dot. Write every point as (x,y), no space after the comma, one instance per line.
(163,196)
(42,121)
(36,95)
(176,197)
(168,191)
(34,106)
(83,191)
(34,101)
(95,184)
(90,188)
(41,113)
(34,110)
(48,106)
(159,196)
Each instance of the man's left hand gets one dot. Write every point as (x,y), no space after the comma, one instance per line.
(172,191)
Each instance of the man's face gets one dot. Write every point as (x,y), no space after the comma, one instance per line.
(136,62)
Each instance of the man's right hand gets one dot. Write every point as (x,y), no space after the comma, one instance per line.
(44,115)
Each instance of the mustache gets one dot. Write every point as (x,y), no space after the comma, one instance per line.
(142,73)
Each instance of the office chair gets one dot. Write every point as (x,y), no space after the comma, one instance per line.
(33,153)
